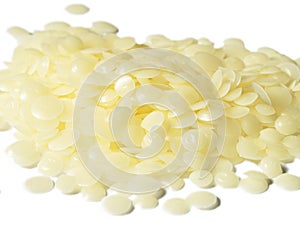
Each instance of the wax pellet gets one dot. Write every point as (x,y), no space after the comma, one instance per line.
(270,135)
(24,153)
(256,174)
(265,109)
(47,107)
(153,119)
(159,193)
(67,184)
(286,124)
(64,140)
(104,27)
(146,201)
(124,43)
(288,181)
(176,206)
(250,125)
(93,193)
(237,112)
(202,179)
(77,9)
(203,200)
(227,179)
(178,184)
(292,142)
(124,85)
(246,99)
(39,184)
(271,167)
(254,185)
(51,164)
(117,204)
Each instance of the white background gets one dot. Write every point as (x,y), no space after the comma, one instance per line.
(274,214)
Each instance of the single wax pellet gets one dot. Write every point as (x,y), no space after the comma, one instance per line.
(153,119)
(39,184)
(227,179)
(67,184)
(202,179)
(176,206)
(203,200)
(271,167)
(77,9)
(47,107)
(146,201)
(93,193)
(178,184)
(288,181)
(254,185)
(286,124)
(117,204)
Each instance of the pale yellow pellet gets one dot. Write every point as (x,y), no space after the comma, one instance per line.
(39,184)
(177,185)
(155,118)
(288,182)
(146,201)
(124,85)
(51,164)
(176,206)
(254,185)
(265,109)
(271,167)
(117,204)
(227,179)
(77,9)
(286,124)
(102,27)
(46,107)
(202,179)
(246,99)
(237,112)
(93,193)
(203,200)
(67,184)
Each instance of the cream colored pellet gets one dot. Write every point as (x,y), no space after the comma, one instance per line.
(288,181)
(77,9)
(146,201)
(254,185)
(202,179)
(177,185)
(271,167)
(176,206)
(39,184)
(67,184)
(227,179)
(203,200)
(94,193)
(117,204)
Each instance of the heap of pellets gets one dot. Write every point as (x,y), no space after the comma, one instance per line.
(38,89)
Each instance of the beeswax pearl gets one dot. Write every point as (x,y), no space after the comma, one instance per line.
(51,164)
(24,153)
(256,174)
(46,107)
(101,27)
(146,201)
(178,184)
(280,96)
(124,43)
(227,179)
(67,184)
(39,184)
(288,182)
(237,112)
(265,109)
(124,85)
(176,206)
(159,193)
(292,142)
(246,99)
(117,204)
(254,185)
(271,167)
(155,118)
(286,124)
(203,200)
(77,9)
(270,135)
(250,125)
(202,179)
(93,193)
